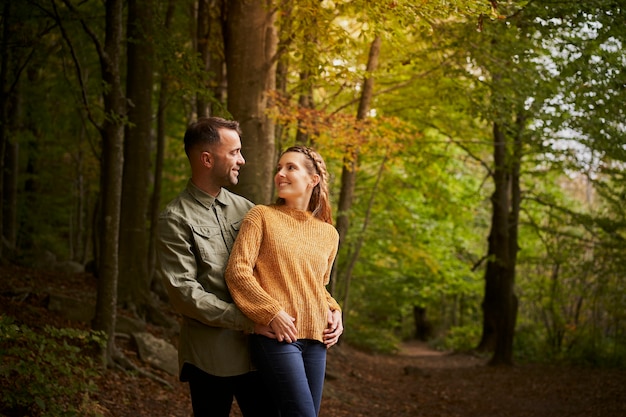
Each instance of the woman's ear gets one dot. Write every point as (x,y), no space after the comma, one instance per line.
(315,179)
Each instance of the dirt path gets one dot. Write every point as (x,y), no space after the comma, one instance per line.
(421,382)
(419,349)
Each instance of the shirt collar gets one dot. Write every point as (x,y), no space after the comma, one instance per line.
(207,200)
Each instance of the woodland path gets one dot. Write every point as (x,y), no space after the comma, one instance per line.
(422,382)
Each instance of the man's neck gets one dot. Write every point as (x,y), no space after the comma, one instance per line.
(207,186)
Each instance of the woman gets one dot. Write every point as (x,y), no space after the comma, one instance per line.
(277,272)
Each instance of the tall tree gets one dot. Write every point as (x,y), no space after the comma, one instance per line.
(211,54)
(251,46)
(134,280)
(500,303)
(11,68)
(350,160)
(155,200)
(112,134)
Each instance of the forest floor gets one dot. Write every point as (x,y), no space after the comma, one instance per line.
(417,381)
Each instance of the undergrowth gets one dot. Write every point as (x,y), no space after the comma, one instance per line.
(47,372)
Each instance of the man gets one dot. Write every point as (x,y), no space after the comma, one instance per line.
(196,234)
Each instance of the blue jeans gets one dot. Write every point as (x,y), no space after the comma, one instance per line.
(294,373)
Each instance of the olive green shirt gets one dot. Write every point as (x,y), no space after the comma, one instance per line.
(195,235)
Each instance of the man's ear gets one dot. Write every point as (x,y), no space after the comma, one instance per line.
(207,159)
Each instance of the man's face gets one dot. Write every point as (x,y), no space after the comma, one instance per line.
(227,158)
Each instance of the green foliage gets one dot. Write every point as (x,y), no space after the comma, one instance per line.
(416,252)
(586,347)
(368,335)
(459,338)
(598,351)
(529,345)
(47,373)
(570,284)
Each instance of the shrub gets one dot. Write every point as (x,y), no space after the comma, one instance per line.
(460,338)
(48,372)
(371,339)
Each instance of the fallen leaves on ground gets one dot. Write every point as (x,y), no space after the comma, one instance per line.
(415,382)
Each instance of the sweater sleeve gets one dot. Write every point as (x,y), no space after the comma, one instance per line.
(332,303)
(245,289)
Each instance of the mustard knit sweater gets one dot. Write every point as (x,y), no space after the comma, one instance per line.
(282,260)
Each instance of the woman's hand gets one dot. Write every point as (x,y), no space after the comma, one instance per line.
(264,330)
(334,328)
(284,328)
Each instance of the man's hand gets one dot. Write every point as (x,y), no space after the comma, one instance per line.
(284,328)
(264,330)
(334,329)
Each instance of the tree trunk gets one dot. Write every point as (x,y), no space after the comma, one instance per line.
(203,31)
(360,240)
(305,101)
(503,353)
(155,201)
(211,55)
(112,133)
(350,163)
(423,327)
(282,70)
(5,58)
(499,303)
(80,235)
(134,281)
(310,63)
(9,193)
(10,171)
(250,48)
(13,63)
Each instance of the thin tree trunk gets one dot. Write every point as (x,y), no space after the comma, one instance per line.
(4,105)
(10,172)
(282,72)
(359,243)
(134,281)
(349,170)
(156,285)
(112,164)
(79,237)
(304,102)
(203,31)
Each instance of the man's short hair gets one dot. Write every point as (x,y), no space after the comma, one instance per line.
(205,131)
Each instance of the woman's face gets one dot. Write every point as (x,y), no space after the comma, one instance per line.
(292,179)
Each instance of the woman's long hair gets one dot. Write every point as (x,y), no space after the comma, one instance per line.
(319,204)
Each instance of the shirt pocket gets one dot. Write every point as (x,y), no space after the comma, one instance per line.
(209,243)
(234,227)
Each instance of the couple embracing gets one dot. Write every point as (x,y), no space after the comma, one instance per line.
(249,281)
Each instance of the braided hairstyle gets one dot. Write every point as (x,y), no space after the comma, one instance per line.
(319,204)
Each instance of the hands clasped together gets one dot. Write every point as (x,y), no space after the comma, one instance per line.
(283,328)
